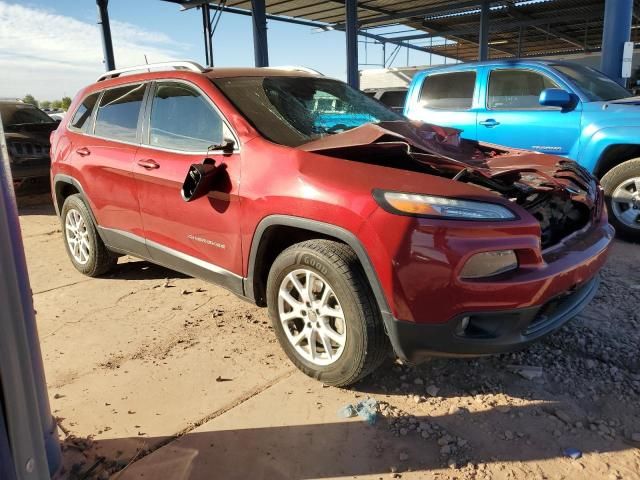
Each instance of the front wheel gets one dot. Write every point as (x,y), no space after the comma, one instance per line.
(621,187)
(324,313)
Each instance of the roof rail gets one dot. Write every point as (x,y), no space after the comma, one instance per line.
(178,65)
(294,68)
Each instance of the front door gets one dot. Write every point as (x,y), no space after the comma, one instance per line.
(202,237)
(514,117)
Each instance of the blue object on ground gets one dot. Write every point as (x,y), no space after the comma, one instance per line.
(365,409)
(572,453)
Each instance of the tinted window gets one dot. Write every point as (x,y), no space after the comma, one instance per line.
(517,89)
(83,113)
(181,119)
(449,91)
(393,99)
(117,116)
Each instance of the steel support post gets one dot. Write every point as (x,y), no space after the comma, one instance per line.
(483,41)
(616,30)
(105,31)
(260,44)
(351,28)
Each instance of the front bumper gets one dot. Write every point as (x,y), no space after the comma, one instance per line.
(30,168)
(488,332)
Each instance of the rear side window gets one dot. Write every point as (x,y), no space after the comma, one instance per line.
(83,113)
(118,113)
(517,89)
(182,119)
(449,91)
(394,99)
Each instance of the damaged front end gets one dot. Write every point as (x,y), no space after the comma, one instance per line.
(562,196)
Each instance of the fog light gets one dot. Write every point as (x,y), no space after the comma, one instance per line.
(487,264)
(462,326)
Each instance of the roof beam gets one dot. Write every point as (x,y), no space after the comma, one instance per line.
(422,12)
(515,13)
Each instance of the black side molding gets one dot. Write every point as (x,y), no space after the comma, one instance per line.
(324,229)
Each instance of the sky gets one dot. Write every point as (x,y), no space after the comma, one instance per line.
(52,48)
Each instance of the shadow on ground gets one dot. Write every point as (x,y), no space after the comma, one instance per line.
(350,448)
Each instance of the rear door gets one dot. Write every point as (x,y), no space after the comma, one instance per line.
(447,99)
(514,117)
(202,237)
(104,152)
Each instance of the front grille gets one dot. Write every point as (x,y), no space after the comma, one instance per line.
(28,149)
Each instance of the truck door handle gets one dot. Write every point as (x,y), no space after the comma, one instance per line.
(489,122)
(83,151)
(148,163)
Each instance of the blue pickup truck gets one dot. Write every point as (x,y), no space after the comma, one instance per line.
(546,106)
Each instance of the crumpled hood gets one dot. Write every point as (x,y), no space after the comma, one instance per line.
(524,177)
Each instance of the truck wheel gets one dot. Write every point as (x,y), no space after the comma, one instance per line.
(81,240)
(622,193)
(324,313)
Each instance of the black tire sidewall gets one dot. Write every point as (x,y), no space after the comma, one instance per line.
(355,348)
(75,202)
(610,181)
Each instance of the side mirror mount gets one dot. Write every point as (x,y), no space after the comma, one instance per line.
(199,180)
(555,97)
(227,146)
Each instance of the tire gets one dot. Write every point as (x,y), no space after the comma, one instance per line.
(622,182)
(336,274)
(91,257)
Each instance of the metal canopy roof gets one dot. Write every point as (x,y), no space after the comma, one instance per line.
(518,28)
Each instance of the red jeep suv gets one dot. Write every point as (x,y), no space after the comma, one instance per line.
(359,230)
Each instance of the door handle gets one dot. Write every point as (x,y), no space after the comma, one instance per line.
(148,163)
(489,122)
(83,151)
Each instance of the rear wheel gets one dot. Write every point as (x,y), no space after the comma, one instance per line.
(622,192)
(324,313)
(84,246)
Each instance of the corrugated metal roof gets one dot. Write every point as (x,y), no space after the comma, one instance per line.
(523,28)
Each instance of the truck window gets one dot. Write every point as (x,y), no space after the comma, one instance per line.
(517,89)
(448,91)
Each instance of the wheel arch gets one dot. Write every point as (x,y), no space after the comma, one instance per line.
(615,154)
(277,232)
(63,187)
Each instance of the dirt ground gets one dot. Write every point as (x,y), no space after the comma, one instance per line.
(153,375)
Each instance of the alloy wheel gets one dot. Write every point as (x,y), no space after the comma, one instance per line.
(625,202)
(77,236)
(312,317)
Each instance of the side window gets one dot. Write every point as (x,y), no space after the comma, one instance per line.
(117,116)
(516,89)
(181,119)
(83,113)
(394,99)
(449,91)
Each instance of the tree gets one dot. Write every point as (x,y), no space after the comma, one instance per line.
(45,104)
(28,98)
(66,103)
(56,104)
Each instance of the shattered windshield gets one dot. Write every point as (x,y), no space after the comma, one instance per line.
(295,110)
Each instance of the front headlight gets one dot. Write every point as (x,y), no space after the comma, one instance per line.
(441,207)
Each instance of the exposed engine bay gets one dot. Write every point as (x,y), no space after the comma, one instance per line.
(559,193)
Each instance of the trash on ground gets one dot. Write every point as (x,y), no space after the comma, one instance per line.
(366,409)
(572,453)
(526,371)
